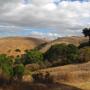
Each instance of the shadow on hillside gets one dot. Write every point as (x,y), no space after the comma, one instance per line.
(84,44)
(37,86)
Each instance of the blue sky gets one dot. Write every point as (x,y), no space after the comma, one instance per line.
(43,18)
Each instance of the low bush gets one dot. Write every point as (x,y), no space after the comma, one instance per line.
(42,78)
(33,56)
(17,50)
(18,71)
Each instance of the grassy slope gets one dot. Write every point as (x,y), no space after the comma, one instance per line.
(10,44)
(74,75)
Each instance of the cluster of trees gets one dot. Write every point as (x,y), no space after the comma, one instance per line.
(61,54)
(9,70)
(13,69)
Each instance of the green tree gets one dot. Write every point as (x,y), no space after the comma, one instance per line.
(5,59)
(6,66)
(7,70)
(19,71)
(18,60)
(56,54)
(72,53)
(61,54)
(56,51)
(86,32)
(33,56)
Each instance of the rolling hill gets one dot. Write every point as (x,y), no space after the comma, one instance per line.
(9,45)
(76,40)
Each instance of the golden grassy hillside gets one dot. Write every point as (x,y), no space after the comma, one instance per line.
(69,77)
(67,40)
(10,44)
(77,75)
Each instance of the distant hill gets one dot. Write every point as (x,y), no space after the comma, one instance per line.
(76,40)
(11,45)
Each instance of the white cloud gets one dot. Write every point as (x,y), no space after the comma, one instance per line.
(49,35)
(49,7)
(66,17)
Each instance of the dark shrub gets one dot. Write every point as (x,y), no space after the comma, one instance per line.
(6,66)
(72,54)
(61,54)
(33,56)
(56,51)
(18,71)
(18,60)
(86,32)
(42,77)
(18,50)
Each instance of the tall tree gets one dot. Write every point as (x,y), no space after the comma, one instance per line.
(86,32)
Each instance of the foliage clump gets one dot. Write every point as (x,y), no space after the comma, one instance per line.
(33,56)
(62,54)
(19,71)
(17,50)
(9,70)
(6,65)
(43,77)
(86,32)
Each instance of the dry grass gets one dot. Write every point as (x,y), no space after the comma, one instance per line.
(10,44)
(82,85)
(70,73)
(75,75)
